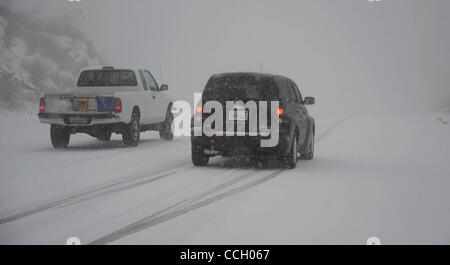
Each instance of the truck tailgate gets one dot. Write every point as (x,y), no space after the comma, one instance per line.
(70,103)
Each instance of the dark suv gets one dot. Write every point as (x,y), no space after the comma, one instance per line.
(296,128)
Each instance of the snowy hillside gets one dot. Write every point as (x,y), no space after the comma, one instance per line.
(38,55)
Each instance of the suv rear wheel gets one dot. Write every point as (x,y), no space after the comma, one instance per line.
(291,159)
(309,154)
(199,158)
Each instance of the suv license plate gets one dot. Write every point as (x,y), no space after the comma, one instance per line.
(238,115)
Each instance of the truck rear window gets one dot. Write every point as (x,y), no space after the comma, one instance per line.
(245,87)
(92,78)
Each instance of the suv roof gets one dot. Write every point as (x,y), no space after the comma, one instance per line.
(258,75)
(254,74)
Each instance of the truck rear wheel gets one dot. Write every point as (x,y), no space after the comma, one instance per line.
(131,135)
(165,132)
(104,135)
(60,136)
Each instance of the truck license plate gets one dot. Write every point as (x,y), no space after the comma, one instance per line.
(78,120)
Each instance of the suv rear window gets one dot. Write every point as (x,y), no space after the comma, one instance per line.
(242,87)
(91,78)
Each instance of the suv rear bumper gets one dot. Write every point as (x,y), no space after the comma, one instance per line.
(248,146)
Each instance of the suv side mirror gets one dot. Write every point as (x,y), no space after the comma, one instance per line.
(164,87)
(309,101)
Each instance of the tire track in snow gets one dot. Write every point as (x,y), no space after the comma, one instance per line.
(116,144)
(67,162)
(54,166)
(128,182)
(204,194)
(143,178)
(332,128)
(7,156)
(194,204)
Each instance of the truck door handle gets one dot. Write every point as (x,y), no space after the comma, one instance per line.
(154,97)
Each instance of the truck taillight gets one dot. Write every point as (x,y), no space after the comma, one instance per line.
(117,105)
(280,111)
(41,104)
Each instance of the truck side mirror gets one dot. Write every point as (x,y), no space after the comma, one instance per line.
(309,101)
(164,87)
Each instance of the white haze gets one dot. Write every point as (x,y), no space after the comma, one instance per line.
(352,55)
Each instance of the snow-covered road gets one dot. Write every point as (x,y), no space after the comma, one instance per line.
(374,175)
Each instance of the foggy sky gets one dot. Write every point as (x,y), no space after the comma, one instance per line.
(352,55)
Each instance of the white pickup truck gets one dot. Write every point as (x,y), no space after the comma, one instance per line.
(109,100)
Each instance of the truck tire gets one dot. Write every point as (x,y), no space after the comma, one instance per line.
(131,135)
(60,136)
(291,158)
(165,132)
(199,158)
